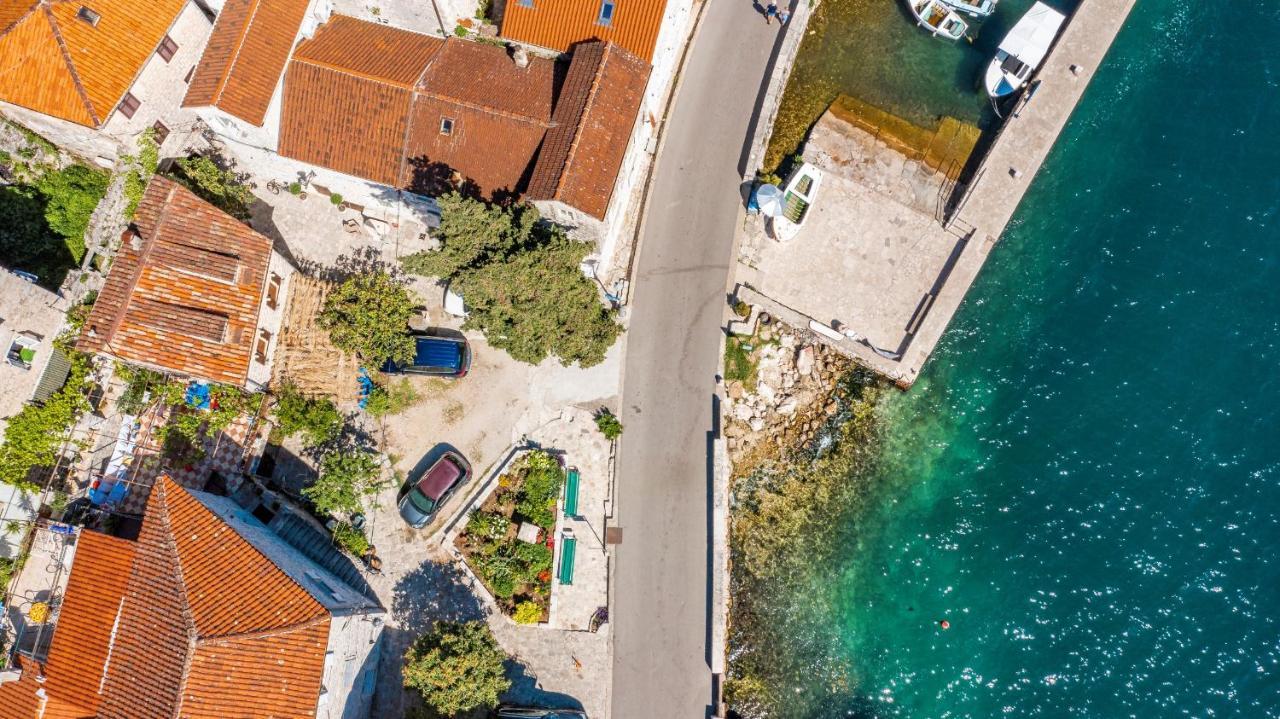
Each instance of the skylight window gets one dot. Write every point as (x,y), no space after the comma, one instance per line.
(88,16)
(606,13)
(446,126)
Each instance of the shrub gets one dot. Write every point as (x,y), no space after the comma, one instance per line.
(536,498)
(527,613)
(34,436)
(608,424)
(335,198)
(488,525)
(368,315)
(222,188)
(316,418)
(535,558)
(295,188)
(141,167)
(71,195)
(741,309)
(138,382)
(457,667)
(345,477)
(350,539)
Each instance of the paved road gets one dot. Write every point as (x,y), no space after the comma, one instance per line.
(662,599)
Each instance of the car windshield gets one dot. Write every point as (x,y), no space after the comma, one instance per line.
(422,502)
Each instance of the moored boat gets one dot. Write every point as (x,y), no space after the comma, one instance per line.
(797,200)
(1022,50)
(975,8)
(938,18)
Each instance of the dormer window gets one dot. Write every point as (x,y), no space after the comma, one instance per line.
(446,126)
(88,16)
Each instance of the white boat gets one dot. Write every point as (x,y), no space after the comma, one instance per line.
(1022,50)
(938,18)
(975,8)
(797,199)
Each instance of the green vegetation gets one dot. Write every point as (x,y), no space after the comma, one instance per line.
(521,280)
(187,430)
(335,198)
(368,315)
(141,168)
(786,524)
(316,418)
(739,365)
(350,539)
(527,613)
(34,436)
(608,424)
(220,186)
(515,572)
(138,382)
(345,477)
(392,399)
(741,309)
(44,214)
(458,667)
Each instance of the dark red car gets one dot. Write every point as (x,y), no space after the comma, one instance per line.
(433,488)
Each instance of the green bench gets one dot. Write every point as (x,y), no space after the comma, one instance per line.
(568,547)
(571,493)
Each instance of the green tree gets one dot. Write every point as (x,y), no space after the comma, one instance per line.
(72,194)
(521,280)
(368,315)
(316,418)
(608,424)
(222,188)
(34,436)
(457,667)
(345,477)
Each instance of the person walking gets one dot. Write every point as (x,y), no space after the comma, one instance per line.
(770,12)
(783,16)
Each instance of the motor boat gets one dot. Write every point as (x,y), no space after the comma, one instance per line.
(974,8)
(797,199)
(1022,50)
(938,18)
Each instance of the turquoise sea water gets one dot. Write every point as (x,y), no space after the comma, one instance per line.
(1086,481)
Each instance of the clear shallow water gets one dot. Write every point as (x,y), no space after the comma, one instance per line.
(1086,481)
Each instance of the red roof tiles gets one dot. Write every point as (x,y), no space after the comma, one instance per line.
(56,63)
(407,110)
(184,292)
(241,65)
(561,24)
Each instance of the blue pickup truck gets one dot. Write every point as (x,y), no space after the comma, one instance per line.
(435,354)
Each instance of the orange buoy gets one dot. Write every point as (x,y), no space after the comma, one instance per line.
(944,624)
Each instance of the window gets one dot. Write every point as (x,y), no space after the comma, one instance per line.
(263,344)
(129,105)
(606,13)
(88,16)
(167,48)
(273,291)
(161,132)
(190,72)
(446,126)
(524,3)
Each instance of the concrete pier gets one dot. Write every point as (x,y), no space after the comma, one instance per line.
(944,249)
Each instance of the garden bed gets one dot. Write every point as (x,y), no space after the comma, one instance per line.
(516,572)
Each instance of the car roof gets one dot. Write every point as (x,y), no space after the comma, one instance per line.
(437,352)
(443,474)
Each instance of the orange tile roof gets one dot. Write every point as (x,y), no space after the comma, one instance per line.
(57,64)
(184,292)
(578,163)
(242,63)
(560,24)
(368,100)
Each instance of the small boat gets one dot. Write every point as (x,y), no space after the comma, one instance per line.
(797,198)
(938,18)
(974,8)
(1022,50)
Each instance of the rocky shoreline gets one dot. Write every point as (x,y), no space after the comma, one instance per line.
(794,392)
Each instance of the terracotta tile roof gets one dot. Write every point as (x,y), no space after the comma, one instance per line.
(246,54)
(560,24)
(596,112)
(372,101)
(57,64)
(184,292)
(209,627)
(18,699)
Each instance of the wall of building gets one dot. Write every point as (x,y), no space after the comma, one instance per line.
(350,666)
(270,319)
(161,85)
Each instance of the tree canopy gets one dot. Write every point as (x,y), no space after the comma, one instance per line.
(368,315)
(457,667)
(521,281)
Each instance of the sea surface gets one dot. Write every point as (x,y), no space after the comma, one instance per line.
(1085,483)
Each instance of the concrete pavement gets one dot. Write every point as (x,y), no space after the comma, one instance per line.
(662,589)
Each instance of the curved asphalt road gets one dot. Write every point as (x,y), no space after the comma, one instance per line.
(662,598)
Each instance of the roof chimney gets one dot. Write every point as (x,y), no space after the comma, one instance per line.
(519,55)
